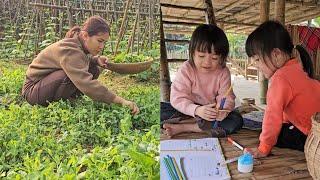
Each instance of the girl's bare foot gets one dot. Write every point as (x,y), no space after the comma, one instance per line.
(173,129)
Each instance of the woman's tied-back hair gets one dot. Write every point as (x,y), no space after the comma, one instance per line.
(93,26)
(270,35)
(208,38)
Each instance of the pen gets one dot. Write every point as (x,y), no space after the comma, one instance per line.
(215,124)
(228,161)
(235,143)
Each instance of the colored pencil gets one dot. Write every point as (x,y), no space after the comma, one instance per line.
(170,173)
(172,167)
(177,168)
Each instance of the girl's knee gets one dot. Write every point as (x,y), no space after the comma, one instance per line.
(233,122)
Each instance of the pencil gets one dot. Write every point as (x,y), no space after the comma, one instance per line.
(177,168)
(224,110)
(172,167)
(228,91)
(170,173)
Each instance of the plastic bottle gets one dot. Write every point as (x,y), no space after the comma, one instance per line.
(245,163)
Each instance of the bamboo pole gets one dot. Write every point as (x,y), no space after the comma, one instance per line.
(115,16)
(56,13)
(61,25)
(28,35)
(70,19)
(83,9)
(263,82)
(280,11)
(209,12)
(138,34)
(144,39)
(38,32)
(305,15)
(291,12)
(131,39)
(179,7)
(121,31)
(230,6)
(178,19)
(92,7)
(164,67)
(150,23)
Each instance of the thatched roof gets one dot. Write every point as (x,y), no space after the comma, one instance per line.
(238,16)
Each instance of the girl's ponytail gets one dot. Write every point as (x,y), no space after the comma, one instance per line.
(306,61)
(74,30)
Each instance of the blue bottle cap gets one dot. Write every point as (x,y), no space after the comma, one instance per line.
(246,159)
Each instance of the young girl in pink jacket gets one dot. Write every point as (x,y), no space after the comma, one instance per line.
(293,95)
(200,86)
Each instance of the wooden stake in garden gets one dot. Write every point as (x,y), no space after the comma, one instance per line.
(131,39)
(121,31)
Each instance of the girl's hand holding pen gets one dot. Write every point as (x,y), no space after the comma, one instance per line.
(207,112)
(222,114)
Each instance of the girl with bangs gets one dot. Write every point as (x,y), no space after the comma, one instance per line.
(200,85)
(293,95)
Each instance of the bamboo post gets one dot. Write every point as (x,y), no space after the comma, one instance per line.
(164,67)
(16,21)
(61,24)
(38,32)
(115,17)
(149,26)
(263,82)
(92,7)
(144,39)
(28,35)
(150,23)
(42,24)
(138,34)
(107,16)
(83,13)
(131,39)
(209,12)
(121,31)
(56,13)
(70,19)
(280,11)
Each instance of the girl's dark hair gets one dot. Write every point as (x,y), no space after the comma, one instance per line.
(93,25)
(270,35)
(208,36)
(306,61)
